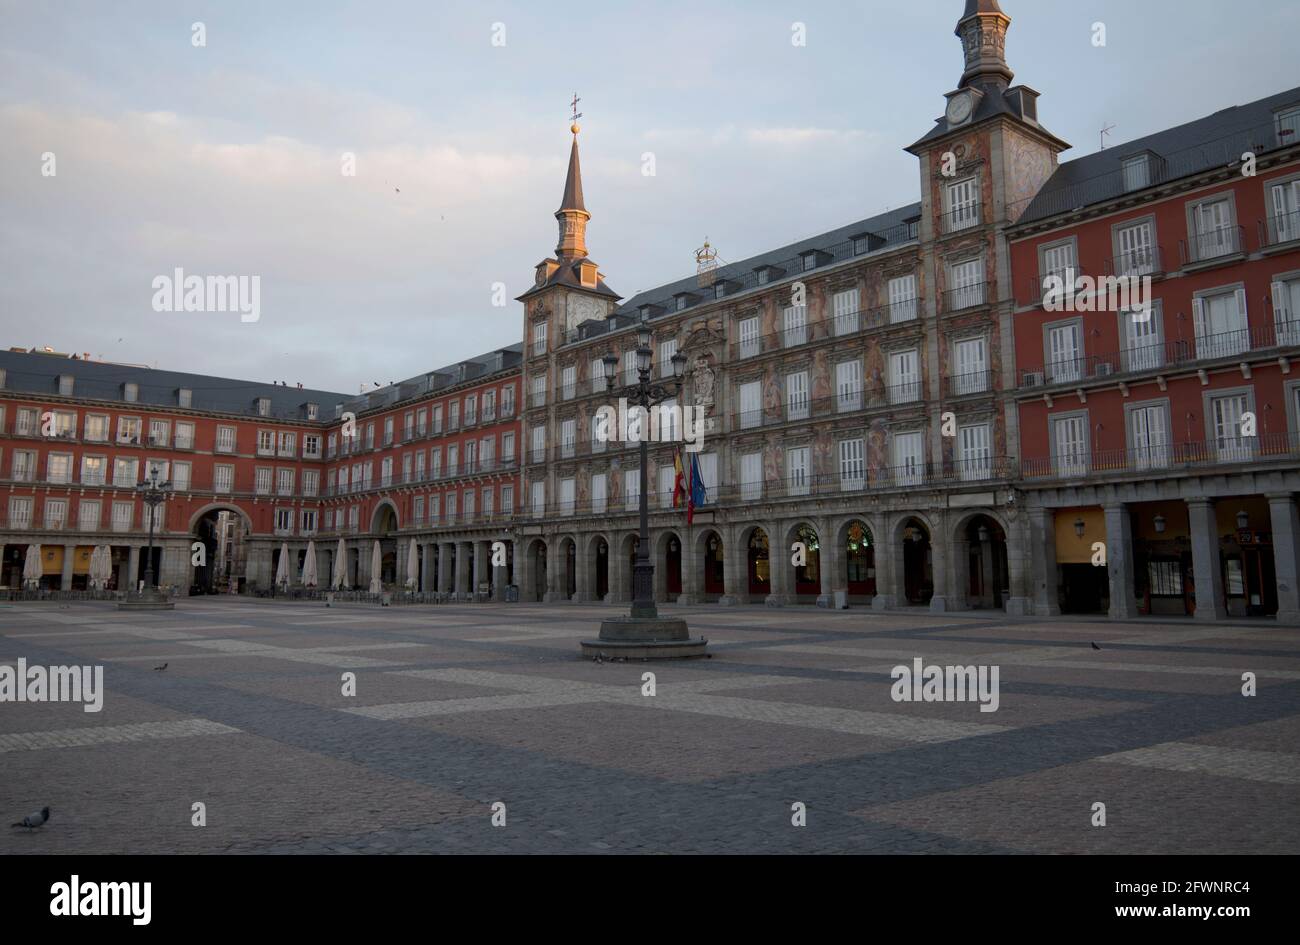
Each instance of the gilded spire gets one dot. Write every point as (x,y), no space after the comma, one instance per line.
(573,215)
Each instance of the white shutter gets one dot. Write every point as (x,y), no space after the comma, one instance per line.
(848,385)
(749,345)
(750,405)
(598,493)
(1199,325)
(1282,222)
(751,475)
(796,395)
(709,476)
(846,311)
(667,476)
(566,497)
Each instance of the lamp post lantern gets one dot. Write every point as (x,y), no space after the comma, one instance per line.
(154,491)
(644,634)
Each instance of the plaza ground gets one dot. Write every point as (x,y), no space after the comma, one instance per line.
(458,707)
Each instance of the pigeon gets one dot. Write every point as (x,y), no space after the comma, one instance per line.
(599,658)
(159,669)
(1095,647)
(37,819)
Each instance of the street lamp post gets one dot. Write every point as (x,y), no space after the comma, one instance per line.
(643,634)
(153,492)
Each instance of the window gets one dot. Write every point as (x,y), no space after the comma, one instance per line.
(223,478)
(159,432)
(796,465)
(508,499)
(566,496)
(1210,229)
(65,385)
(568,382)
(972,367)
(1135,249)
(313,411)
(56,513)
(422,420)
(538,396)
(419,466)
(796,396)
(539,338)
(795,320)
(1070,445)
(966,280)
(25,422)
(93,470)
(264,406)
(667,479)
(599,433)
(96,428)
(471,456)
(435,508)
(225,439)
(124,472)
(284,522)
(58,468)
(902,298)
(809,262)
(598,492)
(751,476)
(1226,414)
(539,445)
(507,448)
(128,430)
(451,506)
(860,245)
(386,471)
(974,454)
(904,377)
(848,385)
(487,496)
(666,351)
(908,459)
(23,465)
(1058,266)
(88,515)
(130,392)
(1284,212)
(1288,125)
(308,521)
(370,434)
(751,410)
(719,290)
(1143,338)
(284,481)
(435,463)
(471,409)
(1137,173)
(288,444)
(20,512)
(852,467)
(468,505)
(1165,578)
(1064,352)
(749,343)
(1220,324)
(508,401)
(388,431)
(1148,435)
(437,419)
(65,424)
(681,303)
(453,460)
(1286,310)
(311,445)
(538,499)
(184,435)
(417,509)
(630,373)
(961,204)
(265,442)
(181,477)
(262,480)
(408,426)
(845,306)
(123,516)
(709,476)
(568,437)
(631,489)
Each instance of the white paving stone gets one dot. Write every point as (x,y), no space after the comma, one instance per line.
(1274,767)
(107,734)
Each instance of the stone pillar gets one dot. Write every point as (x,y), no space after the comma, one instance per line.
(1206,571)
(426,567)
(524,576)
(834,573)
(1119,561)
(482,570)
(463,552)
(1042,560)
(445,585)
(583,562)
(660,560)
(69,554)
(133,569)
(553,568)
(958,589)
(500,573)
(1018,604)
(887,560)
(1286,559)
(939,566)
(735,565)
(779,569)
(403,549)
(692,569)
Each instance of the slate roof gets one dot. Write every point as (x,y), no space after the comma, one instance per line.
(1217,140)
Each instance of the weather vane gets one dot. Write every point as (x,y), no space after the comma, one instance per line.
(576,114)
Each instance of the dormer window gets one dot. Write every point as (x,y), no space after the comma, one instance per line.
(2,378)
(681,303)
(587,273)
(313,411)
(184,397)
(809,261)
(859,245)
(338,411)
(1288,126)
(1137,172)
(644,312)
(764,274)
(719,289)
(65,385)
(130,392)
(264,406)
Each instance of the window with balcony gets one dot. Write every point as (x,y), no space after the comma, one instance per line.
(23,465)
(1226,417)
(567,493)
(666,351)
(123,516)
(848,385)
(538,499)
(1286,310)
(796,396)
(128,431)
(225,440)
(284,526)
(223,478)
(908,455)
(632,489)
(598,493)
(421,421)
(288,444)
(1069,436)
(568,382)
(1219,319)
(904,376)
(181,477)
(96,428)
(1148,432)
(537,396)
(961,204)
(184,435)
(749,343)
(284,481)
(58,468)
(853,474)
(795,321)
(751,405)
(489,405)
(265,442)
(93,470)
(1284,212)
(308,522)
(972,375)
(507,500)
(437,419)
(20,512)
(88,515)
(124,472)
(1143,329)
(664,493)
(507,449)
(1211,231)
(539,444)
(796,470)
(1058,267)
(56,513)
(508,401)
(974,454)
(751,476)
(1135,251)
(966,284)
(262,480)
(471,410)
(26,421)
(845,306)
(568,437)
(902,299)
(1064,350)
(159,432)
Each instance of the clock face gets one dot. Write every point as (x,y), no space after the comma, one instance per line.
(959,109)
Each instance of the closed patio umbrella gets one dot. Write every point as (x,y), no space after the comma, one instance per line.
(376,565)
(282,569)
(32,565)
(341,566)
(92,573)
(412,566)
(309,578)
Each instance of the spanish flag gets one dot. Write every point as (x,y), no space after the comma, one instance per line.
(679,482)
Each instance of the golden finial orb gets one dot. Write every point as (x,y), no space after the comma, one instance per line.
(575,128)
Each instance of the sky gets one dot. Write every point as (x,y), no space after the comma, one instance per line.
(227,158)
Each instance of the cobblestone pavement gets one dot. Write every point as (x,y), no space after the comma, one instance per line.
(459,707)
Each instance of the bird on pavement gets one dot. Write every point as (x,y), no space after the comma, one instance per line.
(1095,647)
(159,669)
(37,819)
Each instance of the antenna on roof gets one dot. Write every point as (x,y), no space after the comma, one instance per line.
(1105,130)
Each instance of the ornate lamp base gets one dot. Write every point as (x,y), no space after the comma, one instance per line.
(644,638)
(148,599)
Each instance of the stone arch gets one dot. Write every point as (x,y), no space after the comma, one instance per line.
(755,544)
(980,573)
(599,572)
(855,540)
(534,567)
(710,552)
(226,561)
(803,583)
(913,541)
(376,519)
(669,551)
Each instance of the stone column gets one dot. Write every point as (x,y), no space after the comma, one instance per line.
(939,565)
(958,589)
(1286,560)
(133,569)
(779,569)
(692,569)
(885,558)
(69,554)
(482,569)
(583,561)
(1042,560)
(1119,561)
(660,561)
(445,584)
(735,563)
(1018,603)
(426,567)
(834,575)
(463,552)
(554,566)
(524,576)
(500,573)
(1206,571)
